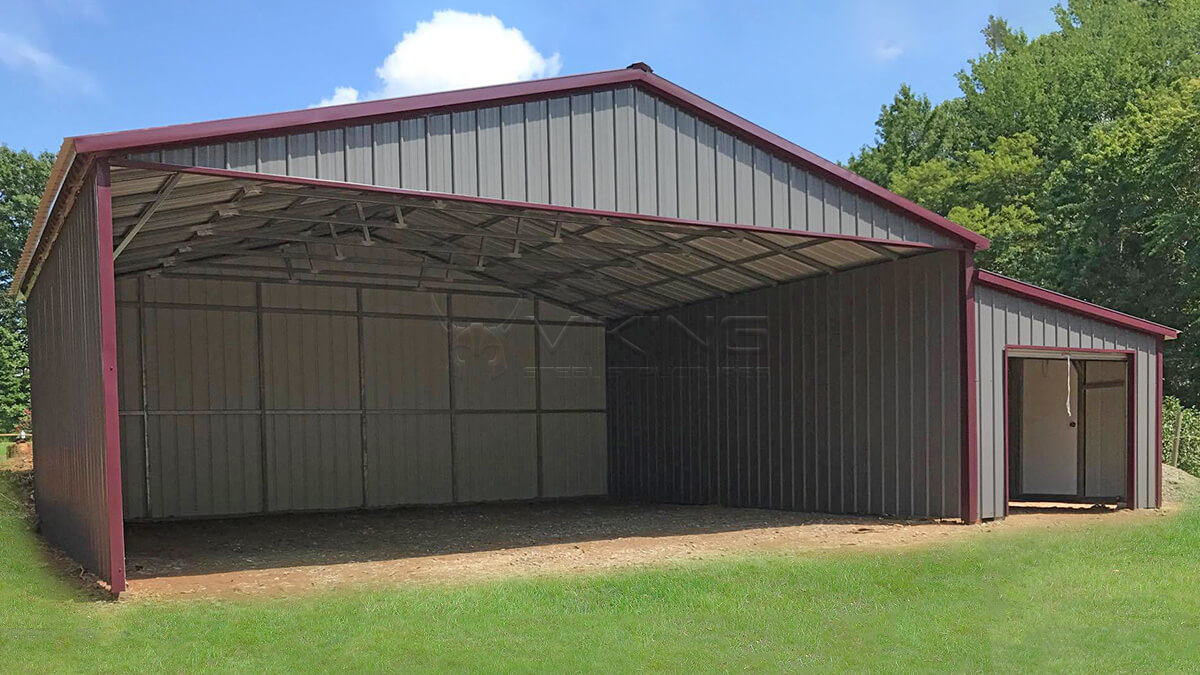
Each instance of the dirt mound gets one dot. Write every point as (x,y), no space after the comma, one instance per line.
(1179,485)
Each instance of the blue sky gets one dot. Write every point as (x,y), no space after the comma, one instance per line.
(814,72)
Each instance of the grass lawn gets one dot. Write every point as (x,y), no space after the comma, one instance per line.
(1109,597)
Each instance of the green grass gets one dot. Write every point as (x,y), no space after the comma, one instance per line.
(1116,596)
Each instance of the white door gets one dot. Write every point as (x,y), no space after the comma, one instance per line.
(1049,435)
(1106,441)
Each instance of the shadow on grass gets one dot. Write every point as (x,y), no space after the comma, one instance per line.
(16,490)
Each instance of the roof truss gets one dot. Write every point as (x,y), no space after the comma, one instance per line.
(172,221)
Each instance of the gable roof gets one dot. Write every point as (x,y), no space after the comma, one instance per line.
(638,75)
(1074,305)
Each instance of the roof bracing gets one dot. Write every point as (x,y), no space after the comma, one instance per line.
(176,221)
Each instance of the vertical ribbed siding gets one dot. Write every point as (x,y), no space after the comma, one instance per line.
(1003,319)
(68,392)
(206,435)
(625,150)
(836,394)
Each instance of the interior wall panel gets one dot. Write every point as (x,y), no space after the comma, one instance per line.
(409,459)
(574,461)
(314,461)
(335,431)
(496,457)
(828,394)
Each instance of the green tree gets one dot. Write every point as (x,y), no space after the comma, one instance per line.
(1077,153)
(23,175)
(1128,209)
(909,131)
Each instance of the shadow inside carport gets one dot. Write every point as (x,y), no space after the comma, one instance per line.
(199,547)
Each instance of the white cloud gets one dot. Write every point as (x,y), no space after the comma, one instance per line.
(340,95)
(456,50)
(19,55)
(888,51)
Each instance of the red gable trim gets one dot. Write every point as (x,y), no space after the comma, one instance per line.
(1075,305)
(368,111)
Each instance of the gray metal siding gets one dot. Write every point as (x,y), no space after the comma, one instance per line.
(255,398)
(68,392)
(625,150)
(1003,319)
(836,394)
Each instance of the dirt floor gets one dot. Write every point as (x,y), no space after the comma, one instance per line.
(286,554)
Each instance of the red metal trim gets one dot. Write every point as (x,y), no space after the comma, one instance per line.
(970,450)
(108,351)
(1158,427)
(1075,305)
(1007,452)
(487,201)
(1131,459)
(370,111)
(1130,419)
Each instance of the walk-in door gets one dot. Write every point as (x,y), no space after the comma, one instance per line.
(1068,430)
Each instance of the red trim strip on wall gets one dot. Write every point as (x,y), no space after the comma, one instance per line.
(108,360)
(1131,460)
(970,440)
(1075,305)
(1158,427)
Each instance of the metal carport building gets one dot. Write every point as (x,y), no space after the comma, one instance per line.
(594,284)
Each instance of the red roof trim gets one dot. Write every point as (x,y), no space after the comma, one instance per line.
(488,201)
(1075,305)
(372,110)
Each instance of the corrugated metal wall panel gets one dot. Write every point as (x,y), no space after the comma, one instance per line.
(203,464)
(496,457)
(201,360)
(622,149)
(492,366)
(410,459)
(1003,319)
(836,394)
(311,362)
(571,366)
(314,461)
(68,391)
(207,423)
(574,460)
(405,364)
(133,466)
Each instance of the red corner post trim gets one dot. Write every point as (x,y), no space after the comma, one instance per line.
(1158,428)
(108,360)
(970,433)
(1131,472)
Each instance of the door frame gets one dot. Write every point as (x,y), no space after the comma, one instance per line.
(1012,352)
